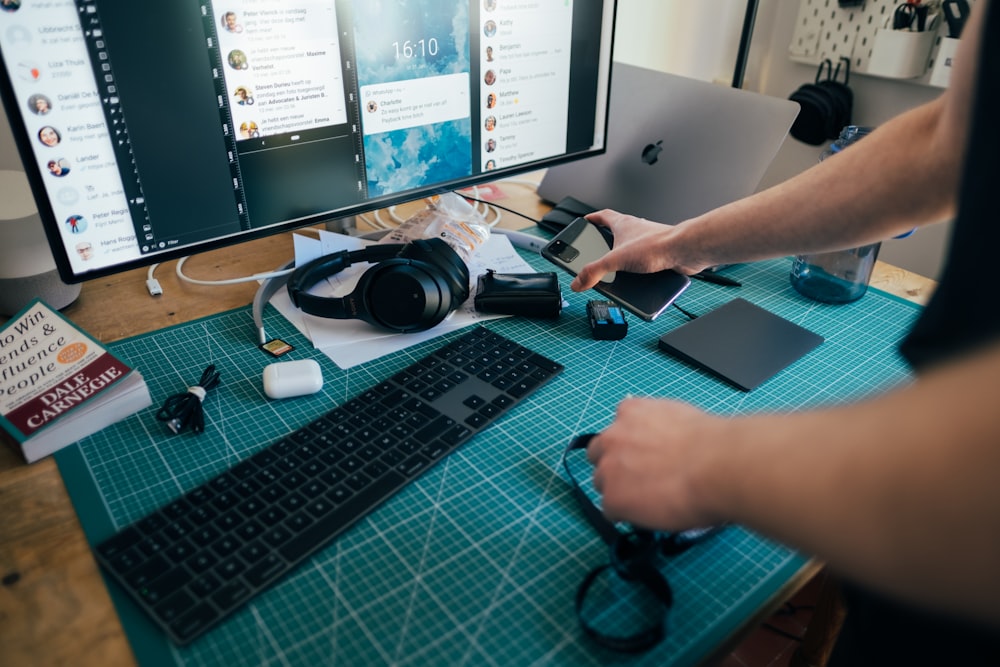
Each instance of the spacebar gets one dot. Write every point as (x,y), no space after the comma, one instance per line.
(329,525)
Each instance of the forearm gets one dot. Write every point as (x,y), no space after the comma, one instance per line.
(900,492)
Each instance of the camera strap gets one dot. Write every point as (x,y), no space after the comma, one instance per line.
(635,557)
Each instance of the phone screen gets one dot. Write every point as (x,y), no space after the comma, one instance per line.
(644,294)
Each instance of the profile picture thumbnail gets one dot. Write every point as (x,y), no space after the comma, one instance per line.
(491,101)
(490,77)
(18,35)
(490,28)
(85,250)
(68,196)
(230,23)
(243,96)
(49,136)
(29,71)
(249,130)
(39,105)
(238,60)
(58,167)
(491,123)
(76,224)
(10,5)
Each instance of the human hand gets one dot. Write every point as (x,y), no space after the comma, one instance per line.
(640,246)
(648,464)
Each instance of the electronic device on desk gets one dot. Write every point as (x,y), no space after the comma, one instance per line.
(677,147)
(647,295)
(257,126)
(195,561)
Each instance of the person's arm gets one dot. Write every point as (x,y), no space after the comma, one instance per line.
(902,175)
(900,492)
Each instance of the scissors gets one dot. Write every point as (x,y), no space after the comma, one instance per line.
(904,16)
(956,13)
(910,15)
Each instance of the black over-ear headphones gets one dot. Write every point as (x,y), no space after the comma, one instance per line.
(825,106)
(411,287)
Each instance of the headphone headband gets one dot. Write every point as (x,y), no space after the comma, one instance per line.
(309,274)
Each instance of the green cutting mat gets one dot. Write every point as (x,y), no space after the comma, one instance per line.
(476,562)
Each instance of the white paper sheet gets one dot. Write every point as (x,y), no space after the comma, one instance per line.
(351,342)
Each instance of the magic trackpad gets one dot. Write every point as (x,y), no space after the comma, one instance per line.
(740,343)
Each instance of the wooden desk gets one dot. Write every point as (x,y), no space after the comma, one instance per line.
(54,608)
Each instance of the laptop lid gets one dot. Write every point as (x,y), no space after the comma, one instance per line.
(676,147)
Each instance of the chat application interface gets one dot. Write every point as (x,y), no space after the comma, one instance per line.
(281,65)
(524,57)
(413,84)
(63,109)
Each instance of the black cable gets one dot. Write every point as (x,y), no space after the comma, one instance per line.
(689,315)
(784,633)
(790,609)
(502,208)
(182,410)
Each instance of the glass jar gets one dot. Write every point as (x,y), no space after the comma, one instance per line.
(840,276)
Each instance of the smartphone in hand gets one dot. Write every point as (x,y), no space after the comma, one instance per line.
(644,294)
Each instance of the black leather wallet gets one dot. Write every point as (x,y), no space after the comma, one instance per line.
(528,294)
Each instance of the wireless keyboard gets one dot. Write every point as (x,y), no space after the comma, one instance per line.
(195,561)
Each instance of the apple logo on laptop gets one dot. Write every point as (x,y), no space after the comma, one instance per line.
(651,153)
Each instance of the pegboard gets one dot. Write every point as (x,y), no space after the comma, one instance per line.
(825,30)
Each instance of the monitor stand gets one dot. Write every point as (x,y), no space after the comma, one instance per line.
(346,225)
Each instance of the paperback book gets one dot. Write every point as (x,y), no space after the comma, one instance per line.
(58,384)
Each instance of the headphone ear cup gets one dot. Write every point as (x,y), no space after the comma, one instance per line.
(442,256)
(842,98)
(815,108)
(404,295)
(833,110)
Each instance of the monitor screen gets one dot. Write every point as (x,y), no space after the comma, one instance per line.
(158,129)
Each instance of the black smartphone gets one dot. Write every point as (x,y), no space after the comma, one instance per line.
(645,294)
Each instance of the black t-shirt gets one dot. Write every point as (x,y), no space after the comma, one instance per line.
(961,316)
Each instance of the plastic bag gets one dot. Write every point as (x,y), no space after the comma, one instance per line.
(448,217)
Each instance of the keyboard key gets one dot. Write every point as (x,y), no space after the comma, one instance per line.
(332,523)
(146,573)
(175,606)
(194,623)
(120,542)
(231,594)
(205,585)
(163,586)
(264,571)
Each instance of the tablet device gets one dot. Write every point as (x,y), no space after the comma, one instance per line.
(740,343)
(645,294)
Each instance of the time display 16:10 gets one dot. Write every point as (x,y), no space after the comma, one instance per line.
(416,49)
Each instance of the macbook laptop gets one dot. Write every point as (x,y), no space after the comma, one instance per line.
(676,147)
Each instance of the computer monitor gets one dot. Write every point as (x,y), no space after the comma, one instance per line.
(153,130)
